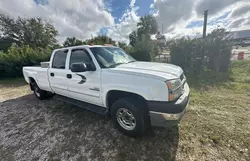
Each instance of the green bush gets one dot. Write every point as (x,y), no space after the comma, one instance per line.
(144,50)
(12,62)
(198,56)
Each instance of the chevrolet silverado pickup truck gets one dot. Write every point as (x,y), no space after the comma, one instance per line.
(106,80)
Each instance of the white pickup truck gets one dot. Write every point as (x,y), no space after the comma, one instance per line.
(106,80)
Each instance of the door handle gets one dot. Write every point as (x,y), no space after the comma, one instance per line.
(52,74)
(69,76)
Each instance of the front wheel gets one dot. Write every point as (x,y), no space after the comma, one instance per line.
(128,117)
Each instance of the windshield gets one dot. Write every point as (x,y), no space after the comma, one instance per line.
(110,57)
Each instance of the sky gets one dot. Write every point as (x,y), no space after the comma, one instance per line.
(84,19)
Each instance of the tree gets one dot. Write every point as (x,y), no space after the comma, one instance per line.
(122,45)
(125,47)
(72,42)
(5,43)
(132,38)
(34,32)
(100,40)
(144,49)
(219,53)
(147,26)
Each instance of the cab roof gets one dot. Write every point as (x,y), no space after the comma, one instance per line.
(85,46)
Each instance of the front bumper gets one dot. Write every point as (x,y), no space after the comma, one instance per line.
(165,114)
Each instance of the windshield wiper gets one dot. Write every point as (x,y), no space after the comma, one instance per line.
(131,61)
(115,65)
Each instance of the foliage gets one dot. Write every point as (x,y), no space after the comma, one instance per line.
(34,32)
(240,71)
(147,26)
(72,42)
(143,47)
(198,56)
(99,40)
(133,38)
(218,50)
(15,58)
(125,47)
(5,43)
(143,50)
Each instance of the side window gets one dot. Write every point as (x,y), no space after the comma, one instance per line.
(79,55)
(59,59)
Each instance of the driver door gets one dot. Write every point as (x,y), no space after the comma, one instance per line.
(84,86)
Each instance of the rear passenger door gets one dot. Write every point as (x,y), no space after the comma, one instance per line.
(57,75)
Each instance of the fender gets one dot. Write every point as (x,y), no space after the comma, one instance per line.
(144,92)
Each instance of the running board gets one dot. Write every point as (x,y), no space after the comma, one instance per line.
(85,105)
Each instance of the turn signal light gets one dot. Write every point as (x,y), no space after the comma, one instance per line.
(171,97)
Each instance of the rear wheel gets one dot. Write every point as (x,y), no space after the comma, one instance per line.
(40,94)
(128,117)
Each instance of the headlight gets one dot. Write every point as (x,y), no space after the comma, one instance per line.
(173,84)
(174,89)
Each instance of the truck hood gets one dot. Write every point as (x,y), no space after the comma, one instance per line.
(161,71)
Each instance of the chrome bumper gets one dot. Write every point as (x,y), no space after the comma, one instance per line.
(166,119)
(165,114)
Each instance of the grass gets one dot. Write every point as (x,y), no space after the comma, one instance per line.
(240,72)
(215,127)
(12,81)
(12,88)
(218,119)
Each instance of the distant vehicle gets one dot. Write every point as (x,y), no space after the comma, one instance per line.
(104,79)
(245,43)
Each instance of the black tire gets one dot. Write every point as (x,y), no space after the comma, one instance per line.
(137,113)
(40,94)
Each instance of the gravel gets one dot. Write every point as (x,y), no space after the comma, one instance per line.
(51,130)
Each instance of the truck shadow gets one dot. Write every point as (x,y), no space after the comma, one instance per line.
(80,133)
(160,144)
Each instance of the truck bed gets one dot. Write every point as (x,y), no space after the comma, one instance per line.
(39,74)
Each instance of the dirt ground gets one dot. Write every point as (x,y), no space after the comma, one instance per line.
(216,127)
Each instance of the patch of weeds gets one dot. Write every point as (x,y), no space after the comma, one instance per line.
(215,138)
(204,140)
(240,71)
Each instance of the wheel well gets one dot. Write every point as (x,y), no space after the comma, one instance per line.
(31,80)
(114,95)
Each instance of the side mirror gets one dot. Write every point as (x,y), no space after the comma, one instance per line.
(82,67)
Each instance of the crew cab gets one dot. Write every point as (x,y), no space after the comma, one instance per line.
(106,80)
